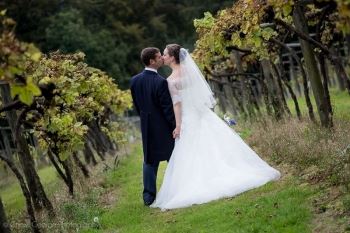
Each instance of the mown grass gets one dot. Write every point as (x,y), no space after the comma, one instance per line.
(281,206)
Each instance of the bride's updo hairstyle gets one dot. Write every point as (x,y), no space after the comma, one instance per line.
(174,51)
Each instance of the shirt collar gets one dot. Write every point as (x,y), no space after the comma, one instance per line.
(151,69)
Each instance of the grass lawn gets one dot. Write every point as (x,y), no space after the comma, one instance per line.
(281,206)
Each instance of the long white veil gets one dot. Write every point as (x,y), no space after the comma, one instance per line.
(195,90)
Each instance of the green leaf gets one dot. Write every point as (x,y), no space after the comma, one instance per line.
(14,70)
(27,92)
(16,90)
(26,97)
(78,124)
(32,87)
(64,155)
(287,9)
(267,33)
(257,41)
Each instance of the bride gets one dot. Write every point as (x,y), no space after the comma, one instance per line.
(209,160)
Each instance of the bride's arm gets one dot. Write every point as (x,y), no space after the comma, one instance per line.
(177,101)
(177,112)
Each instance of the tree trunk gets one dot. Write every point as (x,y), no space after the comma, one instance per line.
(89,155)
(340,79)
(38,194)
(95,138)
(340,71)
(311,66)
(30,210)
(294,97)
(284,79)
(92,138)
(106,142)
(331,76)
(243,87)
(265,92)
(255,97)
(7,144)
(68,175)
(36,189)
(325,86)
(347,38)
(303,74)
(220,95)
(229,97)
(100,136)
(80,164)
(57,167)
(4,225)
(294,77)
(273,89)
(278,77)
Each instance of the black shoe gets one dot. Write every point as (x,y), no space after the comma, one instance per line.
(148,203)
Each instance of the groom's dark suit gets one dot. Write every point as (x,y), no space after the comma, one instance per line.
(153,103)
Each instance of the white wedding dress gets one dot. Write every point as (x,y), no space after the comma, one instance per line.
(209,160)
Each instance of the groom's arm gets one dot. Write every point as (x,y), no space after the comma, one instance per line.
(166,103)
(134,98)
(135,104)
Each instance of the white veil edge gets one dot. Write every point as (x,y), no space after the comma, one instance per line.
(196,91)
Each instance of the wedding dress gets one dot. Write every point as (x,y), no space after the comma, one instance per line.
(209,160)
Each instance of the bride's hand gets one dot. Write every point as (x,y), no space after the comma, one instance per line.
(176,132)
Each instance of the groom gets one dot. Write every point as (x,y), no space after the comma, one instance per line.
(153,103)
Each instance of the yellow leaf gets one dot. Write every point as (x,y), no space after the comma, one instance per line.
(45,80)
(36,56)
(3,12)
(33,52)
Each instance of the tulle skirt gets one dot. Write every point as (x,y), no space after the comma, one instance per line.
(210,161)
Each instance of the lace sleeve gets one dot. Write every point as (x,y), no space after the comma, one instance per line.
(174,90)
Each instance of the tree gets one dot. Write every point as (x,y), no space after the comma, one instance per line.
(111,32)
(68,33)
(4,225)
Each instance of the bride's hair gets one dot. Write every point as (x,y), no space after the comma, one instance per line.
(174,50)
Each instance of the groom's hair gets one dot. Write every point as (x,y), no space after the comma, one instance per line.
(147,54)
